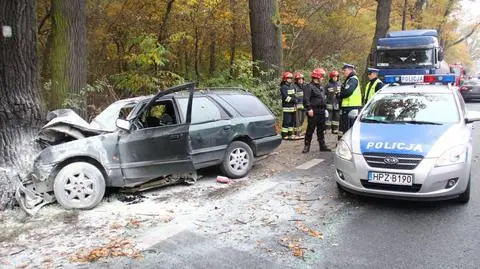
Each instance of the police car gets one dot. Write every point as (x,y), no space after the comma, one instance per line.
(409,142)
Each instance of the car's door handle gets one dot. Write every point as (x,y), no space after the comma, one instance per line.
(226,128)
(174,137)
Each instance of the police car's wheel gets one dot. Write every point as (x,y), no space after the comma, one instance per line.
(238,160)
(79,185)
(465,196)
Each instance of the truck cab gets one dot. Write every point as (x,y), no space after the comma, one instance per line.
(410,53)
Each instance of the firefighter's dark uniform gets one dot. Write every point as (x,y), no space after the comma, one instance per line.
(351,98)
(299,109)
(314,98)
(289,100)
(333,106)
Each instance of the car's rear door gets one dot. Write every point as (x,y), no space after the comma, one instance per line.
(210,130)
(150,152)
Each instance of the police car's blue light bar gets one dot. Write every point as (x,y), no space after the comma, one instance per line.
(407,79)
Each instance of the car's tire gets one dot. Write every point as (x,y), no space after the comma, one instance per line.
(465,196)
(79,185)
(238,160)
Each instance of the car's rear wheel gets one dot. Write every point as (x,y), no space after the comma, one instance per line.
(79,185)
(465,196)
(238,160)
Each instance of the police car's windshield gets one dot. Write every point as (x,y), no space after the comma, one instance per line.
(418,108)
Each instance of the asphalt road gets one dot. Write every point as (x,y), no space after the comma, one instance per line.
(365,233)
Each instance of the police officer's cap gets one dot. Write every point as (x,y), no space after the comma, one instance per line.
(345,66)
(372,70)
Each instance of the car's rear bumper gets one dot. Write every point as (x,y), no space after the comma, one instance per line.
(266,145)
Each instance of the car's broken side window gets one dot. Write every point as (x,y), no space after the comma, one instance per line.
(161,113)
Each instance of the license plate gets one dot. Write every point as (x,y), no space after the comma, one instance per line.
(411,78)
(390,178)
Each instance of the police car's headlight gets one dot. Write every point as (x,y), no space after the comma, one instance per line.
(343,150)
(457,154)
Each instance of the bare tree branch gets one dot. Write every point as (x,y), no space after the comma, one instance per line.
(474,29)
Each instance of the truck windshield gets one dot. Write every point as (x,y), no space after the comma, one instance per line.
(405,58)
(399,108)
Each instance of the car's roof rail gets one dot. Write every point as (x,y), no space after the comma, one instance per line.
(221,89)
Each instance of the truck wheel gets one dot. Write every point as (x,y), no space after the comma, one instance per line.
(238,160)
(465,196)
(79,185)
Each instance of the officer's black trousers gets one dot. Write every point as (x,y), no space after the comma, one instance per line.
(316,122)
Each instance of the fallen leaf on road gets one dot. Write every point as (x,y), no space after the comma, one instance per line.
(298,252)
(115,248)
(133,223)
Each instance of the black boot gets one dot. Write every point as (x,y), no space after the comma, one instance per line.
(306,149)
(324,147)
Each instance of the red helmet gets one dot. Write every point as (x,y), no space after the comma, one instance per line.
(318,73)
(298,75)
(287,75)
(334,73)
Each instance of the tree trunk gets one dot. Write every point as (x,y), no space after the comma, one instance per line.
(404,15)
(383,24)
(163,33)
(69,54)
(266,34)
(20,114)
(211,68)
(233,38)
(446,13)
(196,53)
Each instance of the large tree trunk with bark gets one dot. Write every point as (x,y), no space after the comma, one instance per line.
(69,55)
(266,34)
(233,38)
(383,24)
(20,114)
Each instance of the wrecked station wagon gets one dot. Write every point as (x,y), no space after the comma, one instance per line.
(164,139)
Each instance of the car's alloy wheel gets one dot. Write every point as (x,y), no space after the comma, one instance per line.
(238,160)
(79,185)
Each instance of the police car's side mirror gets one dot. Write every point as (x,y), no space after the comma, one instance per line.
(353,114)
(472,116)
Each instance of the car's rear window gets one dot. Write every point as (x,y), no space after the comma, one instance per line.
(246,105)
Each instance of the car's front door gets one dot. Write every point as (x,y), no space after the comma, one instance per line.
(158,146)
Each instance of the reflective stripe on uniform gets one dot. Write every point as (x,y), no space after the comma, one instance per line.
(288,99)
(328,123)
(335,123)
(288,109)
(291,91)
(354,100)
(329,106)
(290,129)
(284,130)
(300,106)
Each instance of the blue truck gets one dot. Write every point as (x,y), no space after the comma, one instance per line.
(410,54)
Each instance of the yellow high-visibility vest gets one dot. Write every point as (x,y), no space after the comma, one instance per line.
(354,100)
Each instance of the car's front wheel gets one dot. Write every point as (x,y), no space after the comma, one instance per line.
(79,185)
(238,160)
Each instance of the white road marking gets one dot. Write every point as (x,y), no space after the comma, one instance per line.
(309,164)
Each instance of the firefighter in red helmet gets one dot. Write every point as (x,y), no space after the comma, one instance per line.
(287,92)
(314,100)
(333,102)
(300,110)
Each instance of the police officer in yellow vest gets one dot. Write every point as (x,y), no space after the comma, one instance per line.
(374,84)
(350,96)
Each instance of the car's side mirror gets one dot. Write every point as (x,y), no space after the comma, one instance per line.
(472,116)
(440,55)
(123,124)
(353,114)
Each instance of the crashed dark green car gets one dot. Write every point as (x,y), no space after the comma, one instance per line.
(164,140)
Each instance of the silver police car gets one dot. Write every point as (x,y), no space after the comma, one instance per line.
(409,142)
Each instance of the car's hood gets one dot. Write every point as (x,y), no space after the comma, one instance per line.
(65,125)
(415,139)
